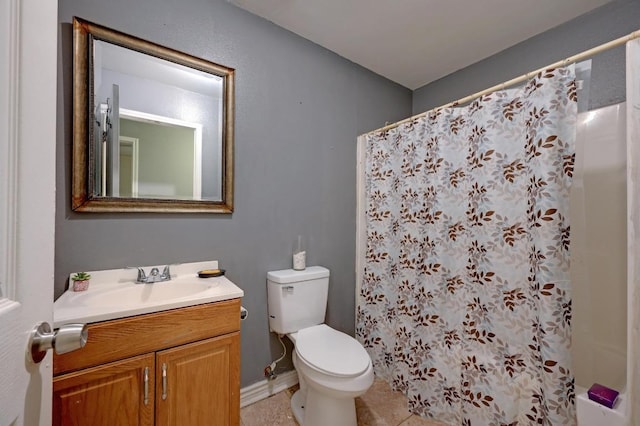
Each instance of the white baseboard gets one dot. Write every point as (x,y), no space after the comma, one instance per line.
(265,388)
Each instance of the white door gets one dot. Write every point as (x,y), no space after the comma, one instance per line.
(28,52)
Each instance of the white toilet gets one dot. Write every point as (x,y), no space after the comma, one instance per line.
(333,368)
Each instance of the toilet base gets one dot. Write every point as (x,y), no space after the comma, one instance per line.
(297,405)
(312,408)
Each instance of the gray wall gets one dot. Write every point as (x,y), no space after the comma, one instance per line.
(299,109)
(613,20)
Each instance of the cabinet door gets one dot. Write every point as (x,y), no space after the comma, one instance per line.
(199,383)
(111,394)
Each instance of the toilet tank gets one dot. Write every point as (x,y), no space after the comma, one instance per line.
(297,299)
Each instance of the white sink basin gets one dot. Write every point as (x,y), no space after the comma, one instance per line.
(138,294)
(114,294)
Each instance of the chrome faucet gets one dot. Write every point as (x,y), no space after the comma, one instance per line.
(154,275)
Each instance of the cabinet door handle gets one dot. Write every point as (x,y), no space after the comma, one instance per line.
(164,381)
(146,385)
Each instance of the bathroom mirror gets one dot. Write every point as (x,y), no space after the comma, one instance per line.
(152,127)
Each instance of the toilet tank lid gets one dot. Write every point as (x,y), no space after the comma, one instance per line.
(289,275)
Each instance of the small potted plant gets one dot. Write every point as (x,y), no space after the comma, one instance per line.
(80,281)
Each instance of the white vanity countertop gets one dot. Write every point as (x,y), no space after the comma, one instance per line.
(114,294)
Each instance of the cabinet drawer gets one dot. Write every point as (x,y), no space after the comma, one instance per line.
(126,337)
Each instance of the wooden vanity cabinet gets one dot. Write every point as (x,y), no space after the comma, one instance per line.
(177,367)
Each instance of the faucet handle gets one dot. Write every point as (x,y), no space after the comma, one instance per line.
(166,273)
(141,275)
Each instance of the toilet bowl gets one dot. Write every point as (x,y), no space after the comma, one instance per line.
(333,369)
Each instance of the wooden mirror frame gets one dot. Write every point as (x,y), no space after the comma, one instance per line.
(83,198)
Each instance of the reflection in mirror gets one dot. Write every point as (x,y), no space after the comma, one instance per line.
(168,158)
(153,127)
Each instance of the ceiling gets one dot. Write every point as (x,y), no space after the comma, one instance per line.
(414,42)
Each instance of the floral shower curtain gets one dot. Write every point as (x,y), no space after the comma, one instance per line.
(465,297)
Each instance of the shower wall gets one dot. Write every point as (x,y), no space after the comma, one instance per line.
(599,249)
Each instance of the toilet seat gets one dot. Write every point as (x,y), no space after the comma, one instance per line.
(331,352)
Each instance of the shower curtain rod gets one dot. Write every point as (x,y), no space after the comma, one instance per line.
(570,60)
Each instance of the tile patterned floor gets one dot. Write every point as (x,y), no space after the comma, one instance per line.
(380,406)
